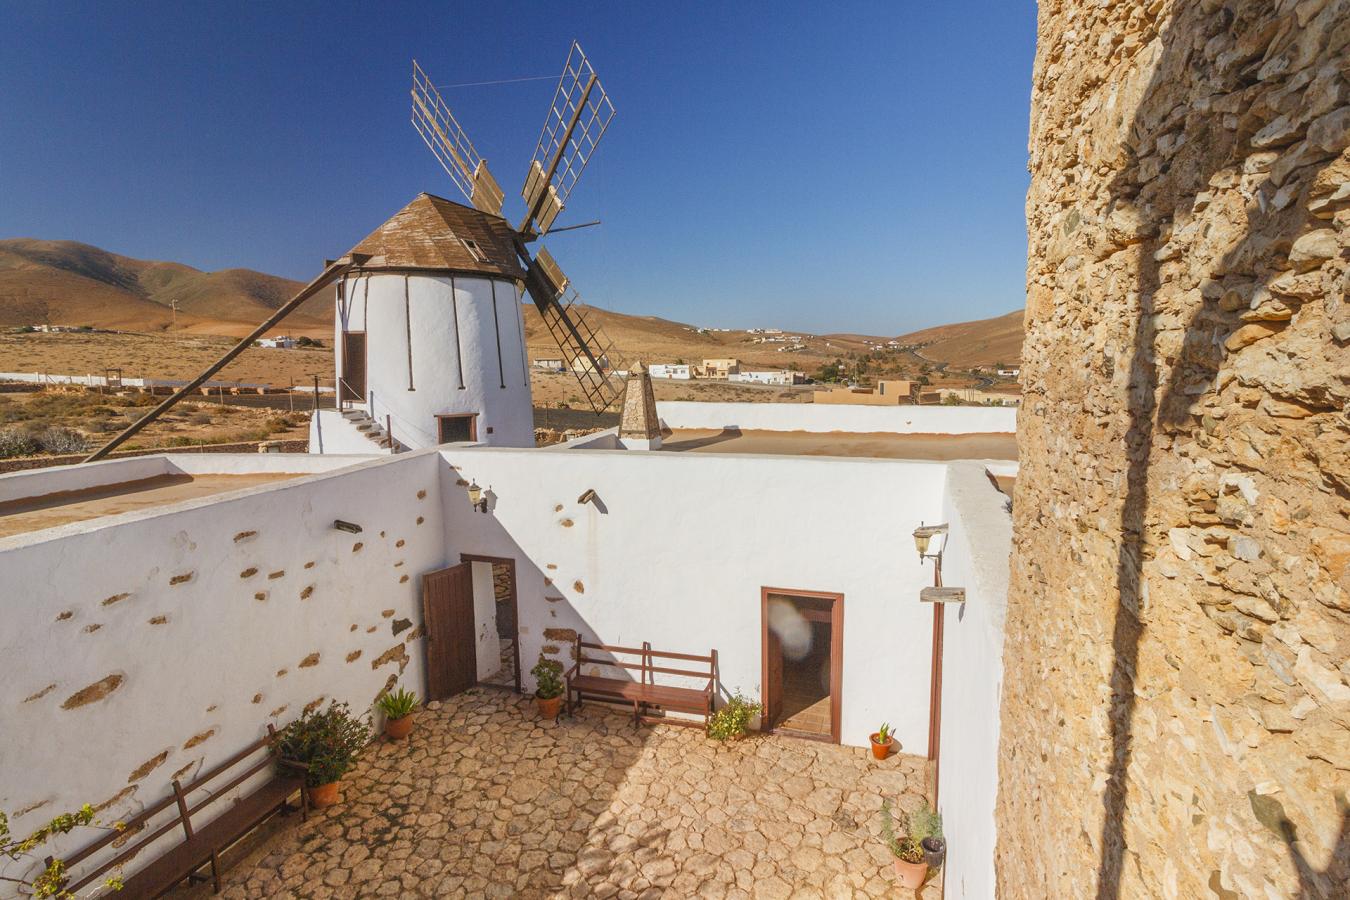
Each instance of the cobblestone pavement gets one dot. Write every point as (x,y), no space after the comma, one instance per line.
(485,799)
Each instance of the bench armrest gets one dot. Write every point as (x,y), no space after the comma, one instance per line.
(576,667)
(293,764)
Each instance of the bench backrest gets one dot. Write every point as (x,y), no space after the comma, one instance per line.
(647,660)
(183,815)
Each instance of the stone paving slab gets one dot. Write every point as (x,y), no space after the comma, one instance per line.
(485,799)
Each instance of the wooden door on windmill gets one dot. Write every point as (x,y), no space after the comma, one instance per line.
(447,610)
(353,385)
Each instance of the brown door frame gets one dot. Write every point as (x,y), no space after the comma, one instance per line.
(346,368)
(473,432)
(836,654)
(515,604)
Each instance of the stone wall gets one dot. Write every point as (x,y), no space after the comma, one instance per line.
(24,463)
(1175,708)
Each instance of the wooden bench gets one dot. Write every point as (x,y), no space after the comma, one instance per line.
(643,694)
(200,845)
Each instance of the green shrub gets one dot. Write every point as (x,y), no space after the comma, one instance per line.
(16,442)
(733,719)
(906,847)
(398,704)
(547,678)
(328,742)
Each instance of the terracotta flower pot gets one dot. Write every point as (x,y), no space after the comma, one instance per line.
(325,795)
(548,708)
(398,729)
(911,875)
(880,749)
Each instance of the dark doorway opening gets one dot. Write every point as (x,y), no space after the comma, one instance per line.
(503,621)
(455,428)
(353,385)
(802,662)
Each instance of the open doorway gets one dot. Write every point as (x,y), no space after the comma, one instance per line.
(803,662)
(496,621)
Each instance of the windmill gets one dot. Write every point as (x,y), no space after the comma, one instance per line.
(577,118)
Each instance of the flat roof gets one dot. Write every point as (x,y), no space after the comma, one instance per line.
(63,507)
(878,445)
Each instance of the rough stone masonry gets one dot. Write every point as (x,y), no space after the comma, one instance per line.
(1176,713)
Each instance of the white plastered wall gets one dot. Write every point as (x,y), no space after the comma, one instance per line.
(975,558)
(467,354)
(680,552)
(161,607)
(829,417)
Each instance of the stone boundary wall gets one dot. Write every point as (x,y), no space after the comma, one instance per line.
(23,463)
(832,417)
(1176,703)
(147,650)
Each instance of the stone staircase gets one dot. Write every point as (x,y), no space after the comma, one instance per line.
(373,430)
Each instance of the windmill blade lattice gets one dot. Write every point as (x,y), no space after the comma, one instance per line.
(587,351)
(451,145)
(576,120)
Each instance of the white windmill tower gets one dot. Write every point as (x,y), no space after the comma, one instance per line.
(430,337)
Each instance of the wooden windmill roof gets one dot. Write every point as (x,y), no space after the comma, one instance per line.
(436,234)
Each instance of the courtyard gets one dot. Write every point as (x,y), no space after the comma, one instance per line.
(485,799)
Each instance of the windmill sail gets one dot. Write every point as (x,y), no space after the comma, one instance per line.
(438,127)
(576,120)
(587,351)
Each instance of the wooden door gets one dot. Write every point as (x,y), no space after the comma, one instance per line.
(447,610)
(353,366)
(773,674)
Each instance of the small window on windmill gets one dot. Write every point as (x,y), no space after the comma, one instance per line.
(474,250)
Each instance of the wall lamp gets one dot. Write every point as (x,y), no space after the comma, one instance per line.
(349,527)
(476,497)
(923,536)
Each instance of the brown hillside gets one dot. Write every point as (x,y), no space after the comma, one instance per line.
(69,283)
(983,342)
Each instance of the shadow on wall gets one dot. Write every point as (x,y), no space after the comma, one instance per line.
(1184,359)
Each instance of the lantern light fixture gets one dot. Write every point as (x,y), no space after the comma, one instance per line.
(349,527)
(476,497)
(923,537)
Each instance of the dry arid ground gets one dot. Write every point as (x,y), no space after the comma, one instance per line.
(97,417)
(171,355)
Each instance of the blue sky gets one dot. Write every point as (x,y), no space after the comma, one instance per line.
(822,166)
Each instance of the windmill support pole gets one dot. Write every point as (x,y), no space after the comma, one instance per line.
(558,155)
(331,273)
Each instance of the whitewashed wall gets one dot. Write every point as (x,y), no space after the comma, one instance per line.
(468,354)
(827,417)
(680,553)
(160,606)
(976,558)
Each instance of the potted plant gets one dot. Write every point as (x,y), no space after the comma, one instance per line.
(883,741)
(910,867)
(399,709)
(925,824)
(548,687)
(326,745)
(731,722)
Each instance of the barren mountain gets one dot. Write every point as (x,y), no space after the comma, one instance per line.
(69,283)
(983,342)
